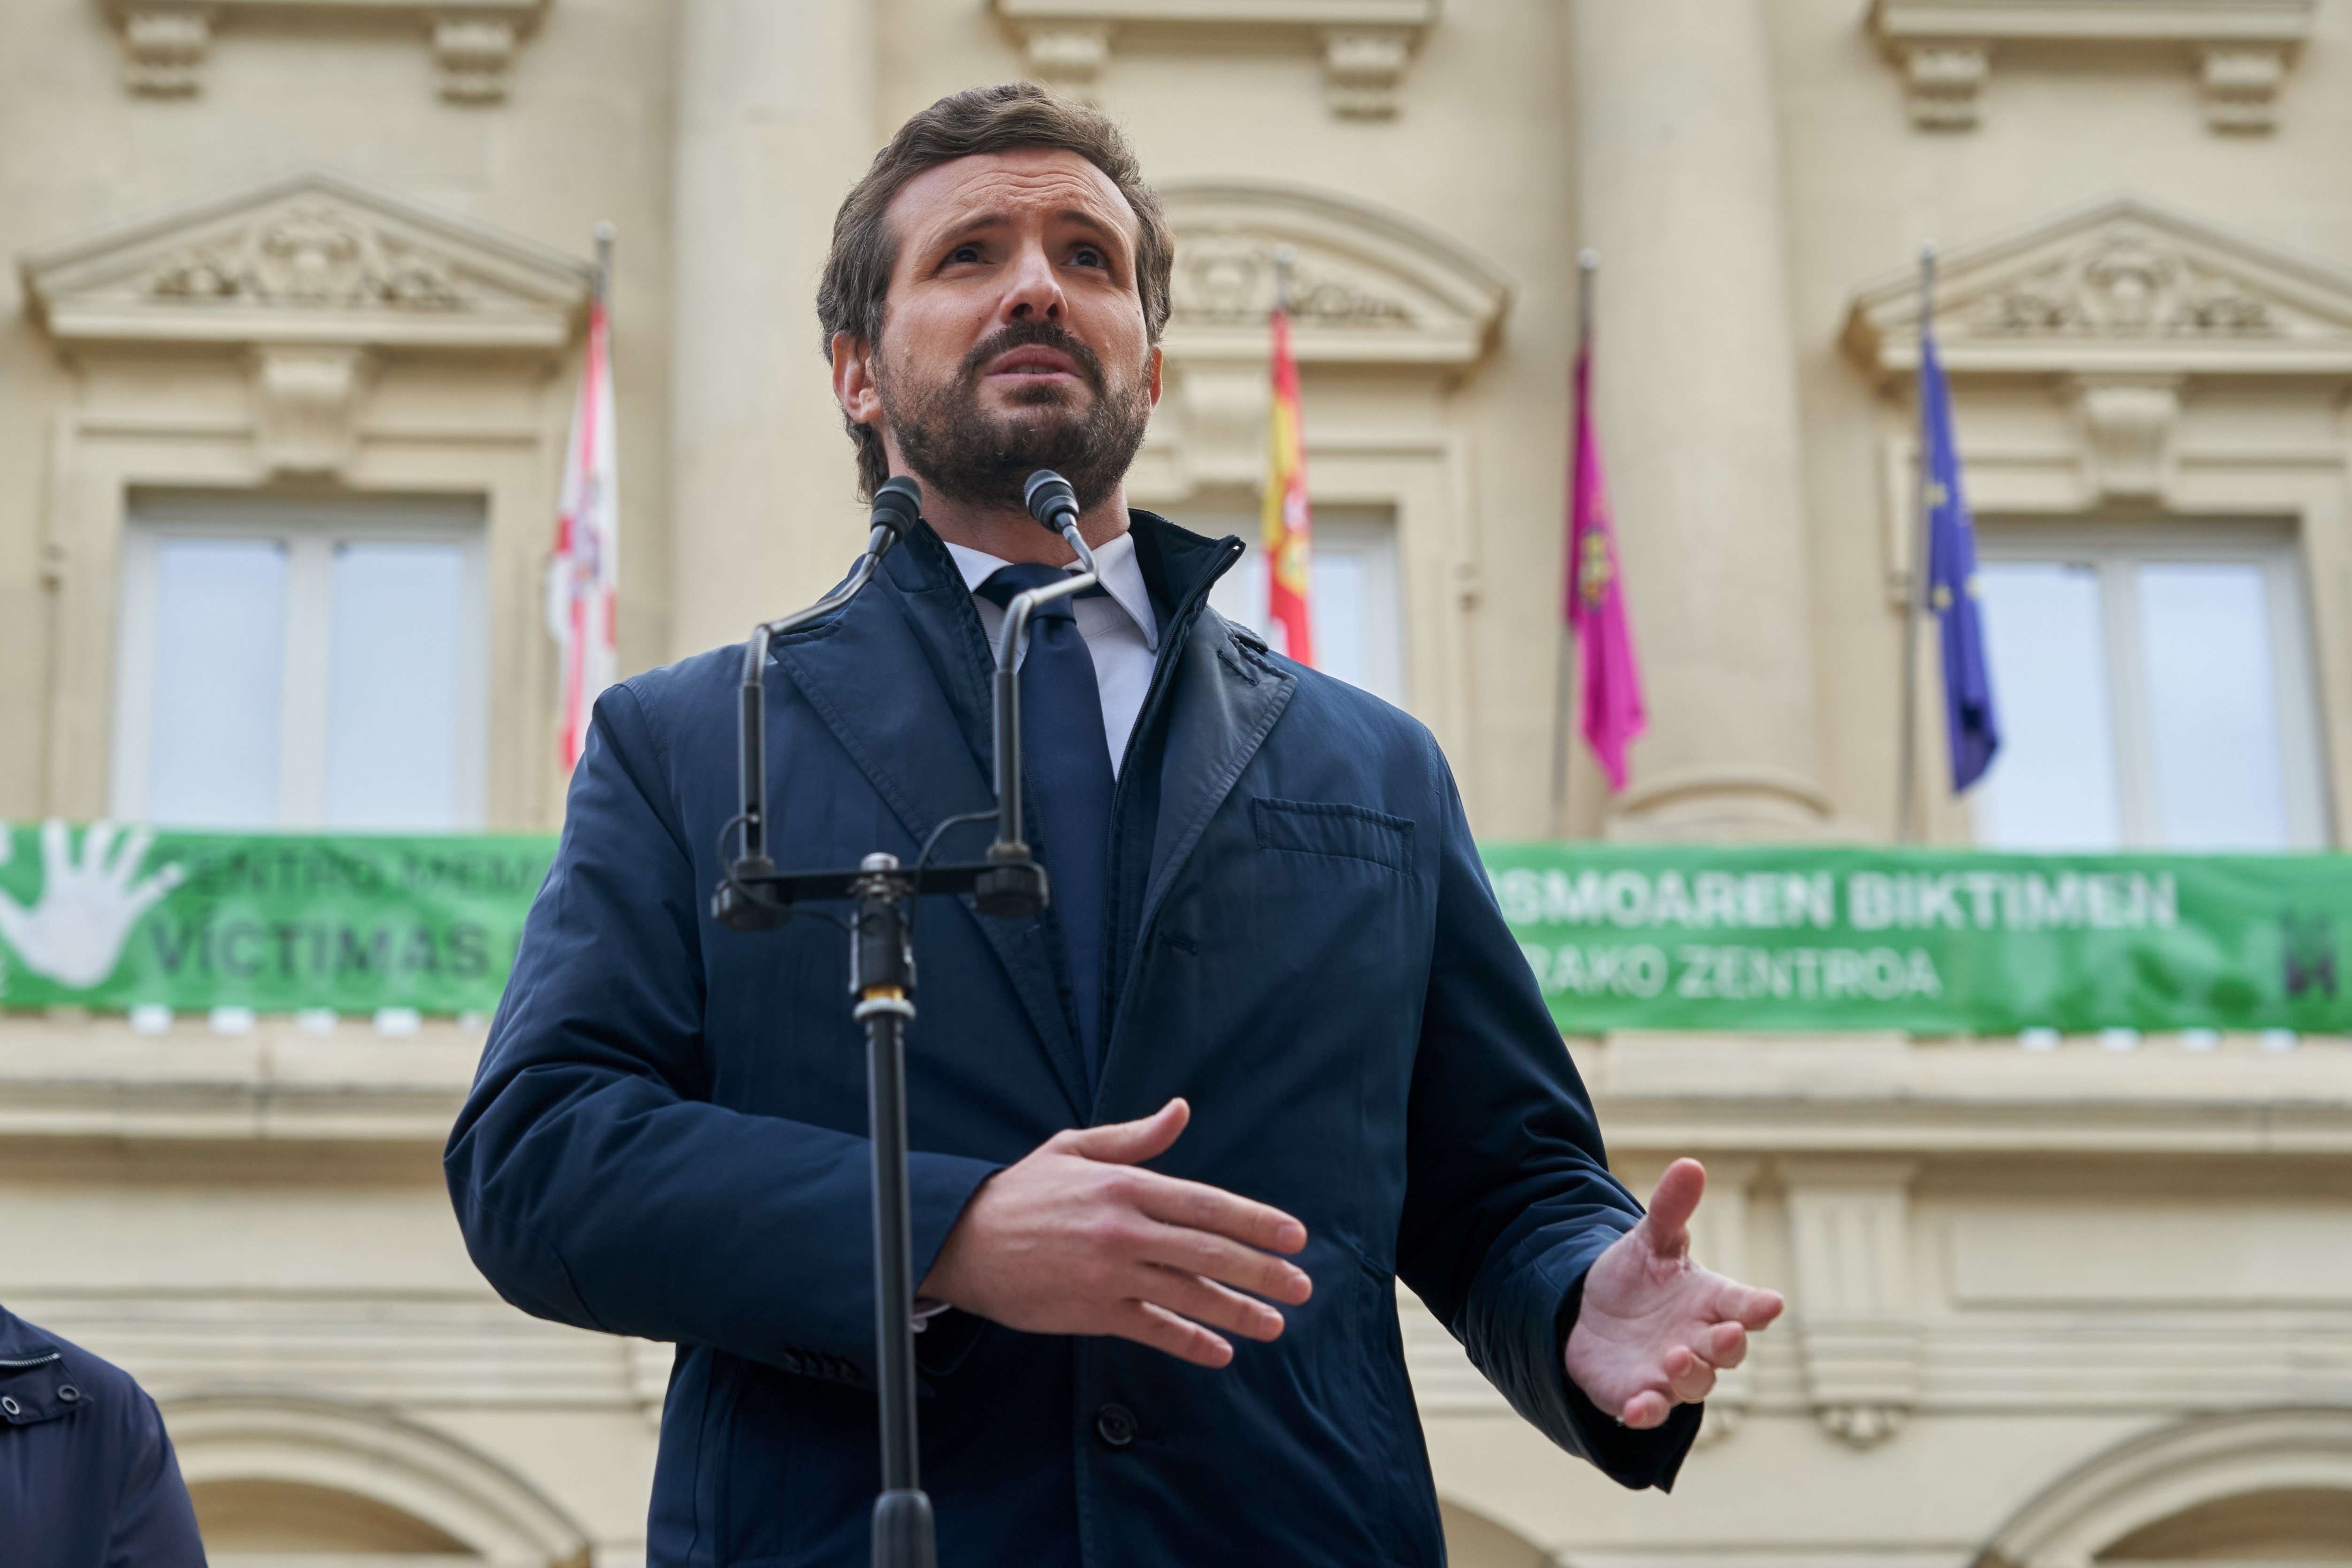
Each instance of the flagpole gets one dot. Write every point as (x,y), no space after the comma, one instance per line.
(603,281)
(1914,607)
(1587,268)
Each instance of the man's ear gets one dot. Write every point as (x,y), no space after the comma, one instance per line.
(1154,362)
(852,380)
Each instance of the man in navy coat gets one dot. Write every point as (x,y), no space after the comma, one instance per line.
(1271,1049)
(88,1478)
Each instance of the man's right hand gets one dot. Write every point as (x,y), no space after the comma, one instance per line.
(1075,1239)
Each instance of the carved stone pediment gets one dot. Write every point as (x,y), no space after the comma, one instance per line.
(2124,287)
(1366,287)
(315,257)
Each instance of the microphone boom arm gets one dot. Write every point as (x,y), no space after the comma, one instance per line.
(1008,684)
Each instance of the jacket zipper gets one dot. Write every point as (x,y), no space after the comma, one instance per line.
(22,1363)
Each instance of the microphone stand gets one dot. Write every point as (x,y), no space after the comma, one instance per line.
(1007,883)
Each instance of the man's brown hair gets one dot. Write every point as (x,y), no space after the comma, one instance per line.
(852,295)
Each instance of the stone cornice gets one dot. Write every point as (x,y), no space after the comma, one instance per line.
(1858,1097)
(88,1079)
(84,1080)
(2097,21)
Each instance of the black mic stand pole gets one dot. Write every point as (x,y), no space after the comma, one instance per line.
(753,896)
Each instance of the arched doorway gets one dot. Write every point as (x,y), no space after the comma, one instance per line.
(264,1521)
(2248,1490)
(281,1481)
(2285,1526)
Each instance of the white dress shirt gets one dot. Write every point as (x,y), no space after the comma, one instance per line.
(1121,631)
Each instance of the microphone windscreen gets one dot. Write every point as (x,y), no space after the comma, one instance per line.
(1051,500)
(899,505)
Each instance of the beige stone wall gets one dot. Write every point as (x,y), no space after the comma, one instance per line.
(2057,131)
(2042,1302)
(583,135)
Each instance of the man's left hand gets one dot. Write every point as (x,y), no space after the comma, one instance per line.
(1654,1327)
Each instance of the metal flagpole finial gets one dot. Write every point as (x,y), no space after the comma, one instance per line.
(1285,256)
(604,232)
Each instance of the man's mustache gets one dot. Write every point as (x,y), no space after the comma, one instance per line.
(1035,334)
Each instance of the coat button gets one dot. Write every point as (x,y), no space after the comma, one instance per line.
(1114,1425)
(68,1393)
(10,1405)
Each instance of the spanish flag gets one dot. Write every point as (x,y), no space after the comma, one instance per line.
(1288,532)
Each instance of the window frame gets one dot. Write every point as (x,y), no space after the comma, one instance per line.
(311,529)
(2114,551)
(1370,532)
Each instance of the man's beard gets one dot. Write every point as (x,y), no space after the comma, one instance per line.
(980,459)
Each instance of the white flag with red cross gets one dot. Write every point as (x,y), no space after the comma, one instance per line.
(585,572)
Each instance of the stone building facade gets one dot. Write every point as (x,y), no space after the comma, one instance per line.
(313,272)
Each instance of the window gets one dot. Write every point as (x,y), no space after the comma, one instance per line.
(300,664)
(1355,600)
(2154,688)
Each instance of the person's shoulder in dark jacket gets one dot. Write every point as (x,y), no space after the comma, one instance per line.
(88,1478)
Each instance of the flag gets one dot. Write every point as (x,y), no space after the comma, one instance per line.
(585,569)
(1952,590)
(1288,531)
(1609,711)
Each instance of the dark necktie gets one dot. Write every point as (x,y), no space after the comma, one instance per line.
(1068,762)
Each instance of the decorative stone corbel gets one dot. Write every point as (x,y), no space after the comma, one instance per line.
(1222,406)
(2127,426)
(1945,82)
(164,48)
(1068,57)
(306,401)
(471,56)
(1362,69)
(1850,1241)
(2242,87)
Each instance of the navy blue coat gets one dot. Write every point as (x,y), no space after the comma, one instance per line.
(667,1135)
(88,1478)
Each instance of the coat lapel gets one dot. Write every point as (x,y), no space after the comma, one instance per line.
(1222,704)
(925,747)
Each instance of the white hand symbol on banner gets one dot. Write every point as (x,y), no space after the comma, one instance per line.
(74,933)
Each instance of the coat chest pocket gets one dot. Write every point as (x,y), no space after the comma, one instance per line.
(1343,832)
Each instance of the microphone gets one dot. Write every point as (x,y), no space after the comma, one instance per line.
(897,507)
(1051,500)
(1055,505)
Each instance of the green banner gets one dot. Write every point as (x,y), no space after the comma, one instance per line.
(1929,941)
(275,922)
(1739,938)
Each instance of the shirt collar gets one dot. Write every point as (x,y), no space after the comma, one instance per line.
(1115,564)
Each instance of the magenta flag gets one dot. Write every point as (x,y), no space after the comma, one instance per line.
(1608,709)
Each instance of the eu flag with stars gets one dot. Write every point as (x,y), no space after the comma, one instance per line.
(1975,732)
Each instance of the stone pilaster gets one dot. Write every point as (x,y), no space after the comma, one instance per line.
(776,118)
(1680,191)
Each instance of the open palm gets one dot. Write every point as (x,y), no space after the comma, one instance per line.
(1655,1327)
(74,933)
